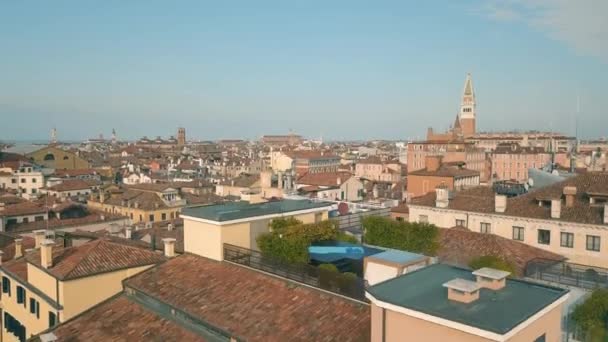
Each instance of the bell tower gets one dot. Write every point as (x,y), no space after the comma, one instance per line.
(467,113)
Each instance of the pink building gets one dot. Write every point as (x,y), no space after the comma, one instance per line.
(512,161)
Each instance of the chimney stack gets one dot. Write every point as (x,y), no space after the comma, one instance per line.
(569,193)
(491,278)
(46,253)
(18,248)
(169,247)
(556,208)
(39,237)
(500,203)
(462,290)
(433,163)
(1,255)
(170,227)
(128,232)
(442,196)
(605,213)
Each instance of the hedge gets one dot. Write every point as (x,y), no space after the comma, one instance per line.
(591,316)
(493,262)
(408,236)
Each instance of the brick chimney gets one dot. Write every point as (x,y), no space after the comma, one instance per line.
(46,253)
(169,247)
(433,163)
(462,290)
(570,194)
(500,203)
(39,237)
(442,196)
(18,248)
(491,278)
(556,208)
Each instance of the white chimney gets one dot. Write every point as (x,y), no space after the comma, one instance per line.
(46,253)
(128,232)
(39,237)
(442,199)
(500,203)
(169,247)
(605,213)
(18,248)
(556,208)
(170,227)
(1,255)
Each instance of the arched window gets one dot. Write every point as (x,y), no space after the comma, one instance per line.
(49,156)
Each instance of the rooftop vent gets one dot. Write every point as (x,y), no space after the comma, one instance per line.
(500,203)
(570,193)
(556,208)
(462,290)
(442,199)
(491,278)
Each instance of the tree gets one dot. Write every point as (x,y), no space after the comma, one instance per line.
(592,315)
(492,262)
(408,236)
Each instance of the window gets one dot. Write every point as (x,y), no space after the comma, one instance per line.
(26,220)
(163,216)
(6,285)
(544,237)
(33,191)
(485,227)
(518,233)
(39,218)
(566,240)
(52,319)
(151,217)
(423,219)
(35,307)
(593,243)
(49,156)
(23,180)
(13,180)
(460,223)
(33,180)
(20,295)
(399,218)
(66,157)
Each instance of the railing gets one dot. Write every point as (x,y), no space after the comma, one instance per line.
(354,221)
(353,287)
(586,277)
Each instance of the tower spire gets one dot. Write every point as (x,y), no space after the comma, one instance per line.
(467,112)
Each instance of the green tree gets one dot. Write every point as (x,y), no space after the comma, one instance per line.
(408,236)
(592,315)
(493,262)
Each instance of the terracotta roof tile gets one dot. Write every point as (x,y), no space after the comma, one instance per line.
(324,178)
(252,305)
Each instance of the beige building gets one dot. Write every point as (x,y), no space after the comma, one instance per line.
(25,179)
(569,218)
(52,284)
(375,169)
(56,158)
(338,186)
(446,303)
(208,228)
(436,173)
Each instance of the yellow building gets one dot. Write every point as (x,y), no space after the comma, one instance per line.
(140,202)
(52,284)
(208,228)
(56,158)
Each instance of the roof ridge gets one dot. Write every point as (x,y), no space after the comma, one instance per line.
(95,244)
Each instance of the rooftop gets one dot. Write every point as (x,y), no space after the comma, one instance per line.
(241,210)
(398,257)
(251,305)
(496,311)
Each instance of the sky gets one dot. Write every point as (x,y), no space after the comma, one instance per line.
(326,69)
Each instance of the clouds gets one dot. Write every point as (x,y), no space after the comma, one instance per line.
(582,24)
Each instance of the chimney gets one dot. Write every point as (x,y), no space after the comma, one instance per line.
(462,290)
(128,232)
(433,163)
(169,247)
(556,208)
(500,203)
(136,205)
(39,237)
(339,181)
(569,193)
(605,213)
(491,278)
(170,227)
(18,248)
(46,253)
(1,256)
(442,196)
(102,196)
(1,206)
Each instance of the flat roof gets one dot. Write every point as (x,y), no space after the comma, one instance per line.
(496,311)
(241,210)
(463,285)
(399,257)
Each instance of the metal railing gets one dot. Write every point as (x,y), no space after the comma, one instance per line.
(354,221)
(565,273)
(346,285)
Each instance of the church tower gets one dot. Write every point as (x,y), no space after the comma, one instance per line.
(467,108)
(181,136)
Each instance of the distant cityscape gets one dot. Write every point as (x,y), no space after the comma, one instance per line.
(462,236)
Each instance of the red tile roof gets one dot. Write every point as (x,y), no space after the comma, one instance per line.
(97,256)
(122,319)
(24,208)
(70,185)
(325,178)
(75,172)
(252,305)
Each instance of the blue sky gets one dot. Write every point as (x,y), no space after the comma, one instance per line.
(337,69)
